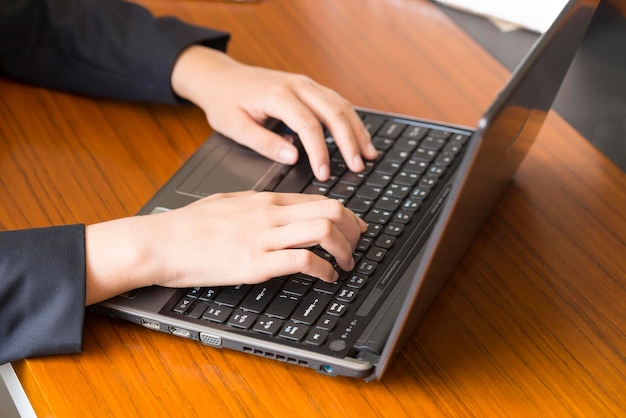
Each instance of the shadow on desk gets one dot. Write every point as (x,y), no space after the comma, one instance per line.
(593,96)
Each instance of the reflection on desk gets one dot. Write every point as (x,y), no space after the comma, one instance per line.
(531,322)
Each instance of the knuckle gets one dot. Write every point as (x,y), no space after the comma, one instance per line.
(334,208)
(304,258)
(324,228)
(310,124)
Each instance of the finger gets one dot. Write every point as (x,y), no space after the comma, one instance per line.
(346,127)
(299,118)
(290,261)
(248,132)
(311,233)
(350,225)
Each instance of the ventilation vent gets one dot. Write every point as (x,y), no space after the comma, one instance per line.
(279,357)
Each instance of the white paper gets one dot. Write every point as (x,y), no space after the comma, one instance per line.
(535,15)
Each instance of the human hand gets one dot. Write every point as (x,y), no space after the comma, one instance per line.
(224,239)
(238,99)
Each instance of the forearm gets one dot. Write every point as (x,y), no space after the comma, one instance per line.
(111,49)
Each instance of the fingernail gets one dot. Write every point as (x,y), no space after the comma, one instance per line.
(323,172)
(358,163)
(287,155)
(371,149)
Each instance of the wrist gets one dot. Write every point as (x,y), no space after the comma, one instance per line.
(194,71)
(118,258)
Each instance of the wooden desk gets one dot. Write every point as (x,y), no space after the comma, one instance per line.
(531,323)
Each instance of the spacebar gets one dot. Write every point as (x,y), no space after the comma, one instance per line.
(296,179)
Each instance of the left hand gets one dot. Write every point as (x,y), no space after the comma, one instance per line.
(238,98)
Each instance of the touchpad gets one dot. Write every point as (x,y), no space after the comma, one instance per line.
(229,169)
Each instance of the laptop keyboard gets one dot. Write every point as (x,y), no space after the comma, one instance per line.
(394,194)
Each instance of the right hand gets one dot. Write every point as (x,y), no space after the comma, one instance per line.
(224,239)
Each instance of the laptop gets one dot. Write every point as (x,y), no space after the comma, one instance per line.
(424,199)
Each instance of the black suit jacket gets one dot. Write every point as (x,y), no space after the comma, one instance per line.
(103,48)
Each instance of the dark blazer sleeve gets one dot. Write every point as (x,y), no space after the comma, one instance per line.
(42,291)
(103,48)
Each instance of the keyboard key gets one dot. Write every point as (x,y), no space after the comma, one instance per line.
(208,293)
(293,331)
(440,133)
(282,306)
(376,254)
(342,190)
(261,295)
(420,193)
(406,144)
(388,203)
(411,205)
(394,229)
(242,319)
(194,292)
(386,241)
(373,124)
(327,322)
(397,190)
(352,178)
(382,144)
(363,244)
(403,217)
(183,305)
(311,307)
(432,143)
(427,181)
(337,308)
(397,155)
(369,192)
(267,325)
(373,229)
(316,337)
(198,309)
(406,178)
(452,148)
(326,287)
(414,132)
(359,205)
(459,139)
(328,183)
(367,267)
(232,295)
(444,159)
(379,216)
(415,166)
(424,154)
(357,281)
(337,168)
(388,167)
(391,129)
(436,170)
(217,313)
(347,295)
(297,286)
(316,189)
(378,179)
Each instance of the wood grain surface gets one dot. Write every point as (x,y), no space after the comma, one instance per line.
(530,324)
